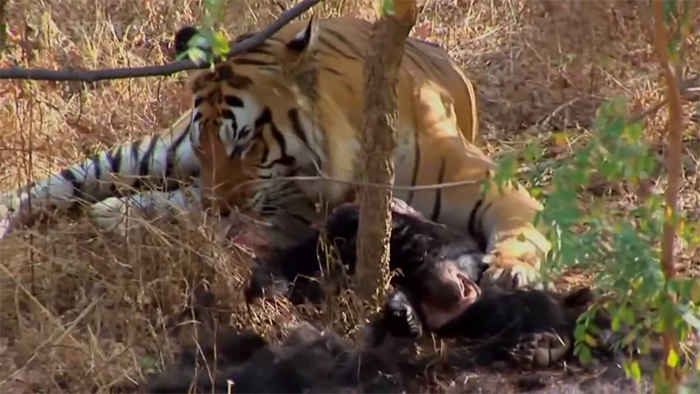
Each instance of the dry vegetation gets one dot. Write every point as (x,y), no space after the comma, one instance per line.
(81,311)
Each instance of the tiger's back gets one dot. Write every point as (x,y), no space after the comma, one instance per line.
(342,46)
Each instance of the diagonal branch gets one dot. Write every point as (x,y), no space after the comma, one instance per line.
(42,74)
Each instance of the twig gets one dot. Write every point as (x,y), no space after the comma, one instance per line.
(326,178)
(42,74)
(685,86)
(675,145)
(688,85)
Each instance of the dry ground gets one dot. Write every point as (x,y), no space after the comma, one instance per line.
(81,311)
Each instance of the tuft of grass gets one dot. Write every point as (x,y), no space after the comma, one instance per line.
(82,311)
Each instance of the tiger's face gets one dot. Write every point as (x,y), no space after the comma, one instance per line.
(229,184)
(226,182)
(241,127)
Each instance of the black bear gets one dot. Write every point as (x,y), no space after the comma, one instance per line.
(525,326)
(438,290)
(306,361)
(439,265)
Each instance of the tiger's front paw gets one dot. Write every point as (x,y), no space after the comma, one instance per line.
(510,273)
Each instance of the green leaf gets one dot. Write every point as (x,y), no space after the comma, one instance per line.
(533,152)
(672,360)
(506,169)
(388,8)
(616,322)
(220,44)
(584,354)
(197,55)
(214,11)
(670,11)
(691,318)
(536,192)
(148,363)
(632,370)
(195,51)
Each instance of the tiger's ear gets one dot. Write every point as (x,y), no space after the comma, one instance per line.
(304,42)
(182,39)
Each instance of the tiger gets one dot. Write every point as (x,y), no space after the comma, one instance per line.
(318,66)
(275,131)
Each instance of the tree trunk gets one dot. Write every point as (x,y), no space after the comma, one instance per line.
(379,143)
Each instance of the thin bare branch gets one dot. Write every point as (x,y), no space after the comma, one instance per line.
(685,86)
(326,178)
(42,74)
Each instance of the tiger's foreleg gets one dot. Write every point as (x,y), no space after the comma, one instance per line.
(165,161)
(26,206)
(501,217)
(121,214)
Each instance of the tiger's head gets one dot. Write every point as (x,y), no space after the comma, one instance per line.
(246,121)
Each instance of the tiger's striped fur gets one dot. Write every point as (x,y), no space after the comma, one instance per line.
(113,180)
(293,106)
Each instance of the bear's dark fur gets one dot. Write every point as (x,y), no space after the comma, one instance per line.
(527,327)
(307,361)
(439,265)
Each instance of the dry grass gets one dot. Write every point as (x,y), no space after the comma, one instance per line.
(81,311)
